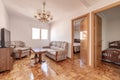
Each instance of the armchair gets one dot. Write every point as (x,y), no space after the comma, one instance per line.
(20,49)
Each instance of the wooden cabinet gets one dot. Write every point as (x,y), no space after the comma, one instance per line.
(6,59)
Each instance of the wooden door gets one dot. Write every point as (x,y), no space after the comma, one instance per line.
(98,39)
(84,41)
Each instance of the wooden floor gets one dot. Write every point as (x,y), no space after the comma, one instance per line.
(76,55)
(24,69)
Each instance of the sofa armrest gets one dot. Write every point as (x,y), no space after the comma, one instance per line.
(12,46)
(61,55)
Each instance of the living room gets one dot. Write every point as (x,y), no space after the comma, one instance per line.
(18,18)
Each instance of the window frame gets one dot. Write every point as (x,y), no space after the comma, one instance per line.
(40,33)
(33,33)
(47,34)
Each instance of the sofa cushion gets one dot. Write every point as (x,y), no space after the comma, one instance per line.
(55,48)
(53,43)
(58,44)
(12,42)
(51,51)
(21,48)
(20,44)
(63,45)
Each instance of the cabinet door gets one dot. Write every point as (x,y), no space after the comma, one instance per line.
(6,61)
(11,59)
(3,59)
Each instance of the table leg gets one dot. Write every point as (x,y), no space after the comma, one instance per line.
(40,58)
(35,58)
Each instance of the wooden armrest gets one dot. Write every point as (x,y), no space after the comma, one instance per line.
(46,47)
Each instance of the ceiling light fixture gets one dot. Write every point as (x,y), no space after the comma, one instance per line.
(43,15)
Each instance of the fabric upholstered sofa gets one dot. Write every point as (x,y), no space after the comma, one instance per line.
(57,50)
(20,49)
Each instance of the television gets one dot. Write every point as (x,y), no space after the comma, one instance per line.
(5,38)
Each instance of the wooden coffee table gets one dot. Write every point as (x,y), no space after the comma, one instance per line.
(38,54)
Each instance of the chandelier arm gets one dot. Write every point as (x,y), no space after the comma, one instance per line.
(44,5)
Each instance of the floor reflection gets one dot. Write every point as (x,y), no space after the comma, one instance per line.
(31,76)
(44,68)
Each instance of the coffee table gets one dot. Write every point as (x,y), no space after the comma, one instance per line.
(38,54)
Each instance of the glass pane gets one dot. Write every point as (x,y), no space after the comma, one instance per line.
(35,33)
(44,34)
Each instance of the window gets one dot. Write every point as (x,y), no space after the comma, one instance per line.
(35,33)
(44,34)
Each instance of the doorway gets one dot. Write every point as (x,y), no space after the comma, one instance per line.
(102,37)
(80,39)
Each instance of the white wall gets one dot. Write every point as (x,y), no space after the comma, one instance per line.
(4,23)
(4,20)
(21,29)
(61,30)
(113,29)
(104,34)
(104,31)
(110,30)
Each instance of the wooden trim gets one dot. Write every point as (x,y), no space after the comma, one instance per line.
(72,32)
(20,53)
(92,40)
(82,16)
(30,52)
(88,15)
(93,27)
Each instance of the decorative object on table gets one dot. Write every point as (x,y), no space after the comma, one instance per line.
(43,15)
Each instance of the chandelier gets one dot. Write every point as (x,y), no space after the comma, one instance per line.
(43,15)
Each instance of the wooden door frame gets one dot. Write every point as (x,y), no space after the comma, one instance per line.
(93,46)
(72,33)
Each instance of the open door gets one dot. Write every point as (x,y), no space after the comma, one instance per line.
(98,40)
(84,41)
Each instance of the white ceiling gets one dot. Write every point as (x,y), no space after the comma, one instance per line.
(58,8)
(111,13)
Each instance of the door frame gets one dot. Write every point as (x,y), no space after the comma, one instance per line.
(93,46)
(72,33)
